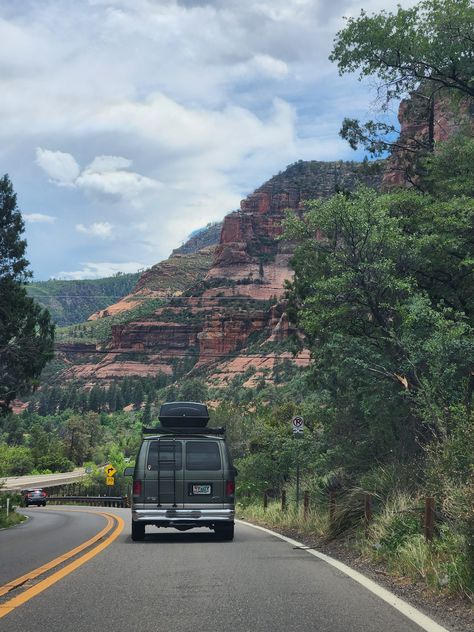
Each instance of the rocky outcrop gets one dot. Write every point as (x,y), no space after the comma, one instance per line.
(250,246)
(424,122)
(219,300)
(157,335)
(224,302)
(164,280)
(204,238)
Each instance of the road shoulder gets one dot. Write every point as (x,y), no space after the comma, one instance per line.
(455,614)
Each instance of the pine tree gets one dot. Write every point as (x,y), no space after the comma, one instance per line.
(146,415)
(26,332)
(138,395)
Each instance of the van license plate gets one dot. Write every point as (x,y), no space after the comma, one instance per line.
(201,490)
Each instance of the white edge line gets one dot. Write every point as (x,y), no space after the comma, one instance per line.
(399,604)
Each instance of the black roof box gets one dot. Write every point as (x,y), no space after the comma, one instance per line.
(183,415)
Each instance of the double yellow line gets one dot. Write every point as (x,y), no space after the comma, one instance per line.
(111,533)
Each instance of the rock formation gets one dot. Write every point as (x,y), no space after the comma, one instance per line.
(241,296)
(423,124)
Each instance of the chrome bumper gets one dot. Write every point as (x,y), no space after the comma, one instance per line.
(170,515)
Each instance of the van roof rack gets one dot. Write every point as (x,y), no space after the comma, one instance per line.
(183,431)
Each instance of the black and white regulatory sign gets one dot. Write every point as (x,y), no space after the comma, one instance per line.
(298,425)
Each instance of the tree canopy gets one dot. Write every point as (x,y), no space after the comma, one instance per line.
(386,301)
(26,332)
(427,48)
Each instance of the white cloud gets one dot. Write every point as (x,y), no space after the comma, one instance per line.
(97,229)
(103,164)
(104,175)
(99,270)
(39,218)
(125,184)
(176,123)
(61,167)
(272,67)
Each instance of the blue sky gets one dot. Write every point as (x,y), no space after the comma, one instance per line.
(127,124)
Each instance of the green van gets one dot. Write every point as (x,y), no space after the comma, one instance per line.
(183,476)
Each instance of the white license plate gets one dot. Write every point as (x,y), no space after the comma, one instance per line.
(201,490)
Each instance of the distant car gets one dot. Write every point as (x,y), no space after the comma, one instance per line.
(35,496)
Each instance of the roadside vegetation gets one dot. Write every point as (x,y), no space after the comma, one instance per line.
(9,501)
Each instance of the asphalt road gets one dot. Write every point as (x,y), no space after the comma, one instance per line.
(190,582)
(46,534)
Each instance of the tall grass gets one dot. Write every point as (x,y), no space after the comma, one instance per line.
(13,517)
(394,537)
(315,524)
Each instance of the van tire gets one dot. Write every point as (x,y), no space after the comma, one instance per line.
(138,531)
(225,532)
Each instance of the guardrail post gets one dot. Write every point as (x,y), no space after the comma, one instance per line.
(429,518)
(305,505)
(265,501)
(283,499)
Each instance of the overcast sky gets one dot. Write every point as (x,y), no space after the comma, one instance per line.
(127,124)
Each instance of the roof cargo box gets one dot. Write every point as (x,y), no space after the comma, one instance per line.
(183,415)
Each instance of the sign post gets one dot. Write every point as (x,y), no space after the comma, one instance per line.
(298,427)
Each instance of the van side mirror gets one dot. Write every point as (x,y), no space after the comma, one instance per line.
(128,471)
(236,471)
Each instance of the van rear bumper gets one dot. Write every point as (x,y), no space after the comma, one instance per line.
(171,516)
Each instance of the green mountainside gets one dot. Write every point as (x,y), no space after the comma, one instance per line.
(73,302)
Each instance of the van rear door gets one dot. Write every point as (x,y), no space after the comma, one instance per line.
(164,473)
(203,473)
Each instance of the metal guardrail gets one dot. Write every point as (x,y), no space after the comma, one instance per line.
(93,501)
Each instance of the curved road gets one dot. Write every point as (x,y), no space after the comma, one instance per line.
(46,534)
(189,582)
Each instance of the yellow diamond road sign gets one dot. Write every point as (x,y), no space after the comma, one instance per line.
(110,480)
(110,470)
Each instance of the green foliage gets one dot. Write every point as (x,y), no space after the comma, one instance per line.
(386,302)
(100,330)
(431,41)
(383,291)
(15,460)
(449,171)
(13,517)
(71,302)
(59,442)
(26,333)
(193,390)
(400,528)
(426,48)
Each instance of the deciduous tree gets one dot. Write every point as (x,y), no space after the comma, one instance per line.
(427,49)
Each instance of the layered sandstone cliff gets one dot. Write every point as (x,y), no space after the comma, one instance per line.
(240,298)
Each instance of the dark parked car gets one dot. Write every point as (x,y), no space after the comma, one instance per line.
(35,496)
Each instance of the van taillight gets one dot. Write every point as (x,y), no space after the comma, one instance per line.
(137,488)
(229,488)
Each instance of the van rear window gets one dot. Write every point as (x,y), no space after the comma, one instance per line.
(202,455)
(169,453)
